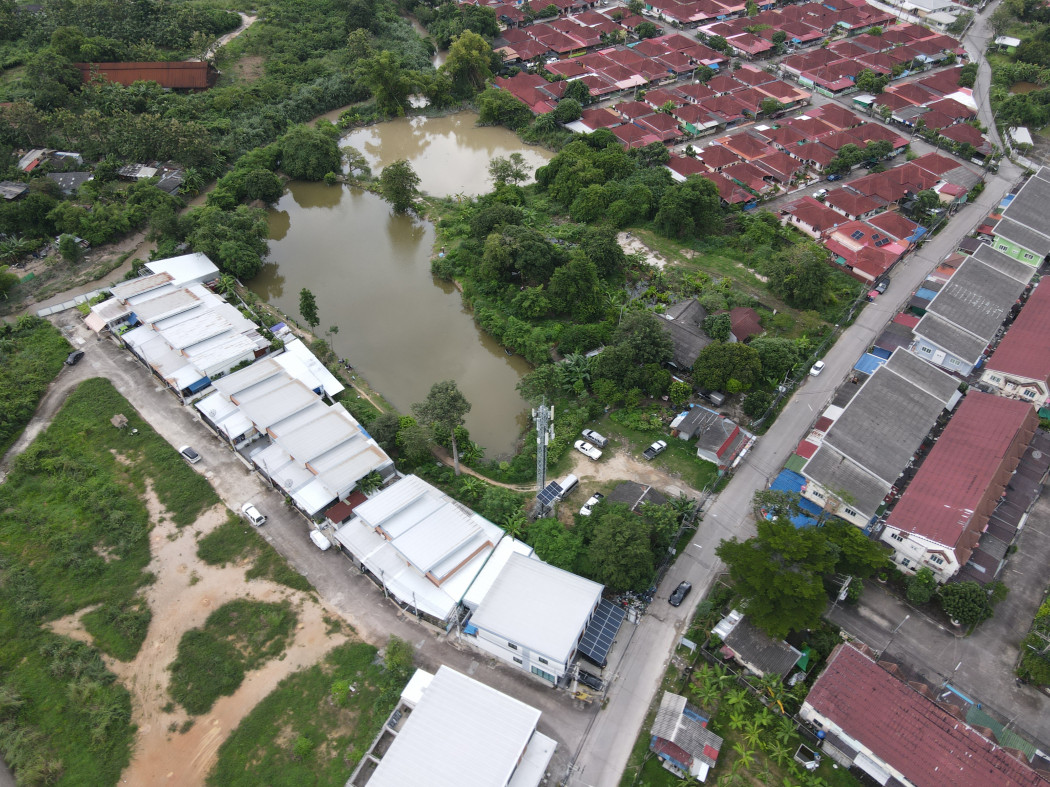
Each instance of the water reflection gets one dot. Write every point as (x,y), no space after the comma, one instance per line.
(450,154)
(404,330)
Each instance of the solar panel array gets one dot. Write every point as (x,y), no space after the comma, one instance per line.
(550,493)
(857,235)
(601,631)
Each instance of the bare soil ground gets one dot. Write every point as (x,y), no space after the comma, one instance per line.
(618,464)
(631,245)
(185,593)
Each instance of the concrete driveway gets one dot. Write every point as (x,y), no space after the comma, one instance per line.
(980,665)
(342,588)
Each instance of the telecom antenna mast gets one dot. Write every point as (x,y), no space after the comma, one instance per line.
(544,418)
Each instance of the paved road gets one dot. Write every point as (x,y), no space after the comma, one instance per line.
(980,665)
(605,751)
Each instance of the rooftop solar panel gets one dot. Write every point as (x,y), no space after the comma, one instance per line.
(600,632)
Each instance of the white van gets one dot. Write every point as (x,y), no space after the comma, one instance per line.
(567,484)
(320,540)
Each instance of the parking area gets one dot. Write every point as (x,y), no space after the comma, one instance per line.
(980,665)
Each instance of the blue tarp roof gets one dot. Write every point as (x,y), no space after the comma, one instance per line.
(790,481)
(868,363)
(926,295)
(1007,200)
(919,232)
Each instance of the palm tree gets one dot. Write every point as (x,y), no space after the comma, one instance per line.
(471,452)
(779,752)
(746,756)
(227,285)
(472,487)
(753,730)
(708,695)
(738,697)
(514,524)
(785,732)
(737,719)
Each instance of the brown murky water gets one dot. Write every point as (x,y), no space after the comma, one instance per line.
(402,328)
(1017,88)
(450,154)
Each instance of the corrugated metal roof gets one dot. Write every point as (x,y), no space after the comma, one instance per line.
(127,289)
(543,608)
(178,75)
(278,403)
(488,731)
(943,497)
(166,305)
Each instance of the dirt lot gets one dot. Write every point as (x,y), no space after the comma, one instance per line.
(185,593)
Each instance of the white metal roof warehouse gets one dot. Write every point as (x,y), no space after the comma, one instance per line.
(539,606)
(462,733)
(423,546)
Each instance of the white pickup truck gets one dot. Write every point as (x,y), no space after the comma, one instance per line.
(655,449)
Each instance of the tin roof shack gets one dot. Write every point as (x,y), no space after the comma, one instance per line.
(684,322)
(897,734)
(718,439)
(449,730)
(939,519)
(680,738)
(753,649)
(191,75)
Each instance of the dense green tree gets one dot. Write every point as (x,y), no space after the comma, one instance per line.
(399,185)
(619,551)
(778,356)
(578,91)
(508,169)
(604,250)
(500,108)
(692,207)
(647,29)
(444,408)
(554,543)
(643,337)
(680,393)
(723,366)
(800,275)
(870,82)
(310,152)
(568,110)
(966,602)
(469,64)
(234,240)
(390,82)
(718,326)
(308,308)
(779,574)
(922,586)
(573,289)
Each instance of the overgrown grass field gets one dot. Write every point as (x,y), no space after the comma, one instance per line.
(236,638)
(74,532)
(234,541)
(316,725)
(31,354)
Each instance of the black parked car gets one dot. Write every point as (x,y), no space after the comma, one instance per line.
(74,356)
(680,593)
(590,680)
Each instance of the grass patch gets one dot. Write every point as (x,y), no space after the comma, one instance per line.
(119,627)
(31,354)
(234,541)
(236,638)
(74,532)
(312,729)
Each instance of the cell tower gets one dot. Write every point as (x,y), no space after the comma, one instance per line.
(544,418)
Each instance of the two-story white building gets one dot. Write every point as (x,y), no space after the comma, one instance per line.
(534,616)
(939,519)
(1020,366)
(965,315)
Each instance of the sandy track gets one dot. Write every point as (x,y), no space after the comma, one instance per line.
(185,593)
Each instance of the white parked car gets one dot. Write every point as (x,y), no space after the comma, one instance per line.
(591,503)
(320,540)
(253,515)
(816,369)
(588,450)
(189,455)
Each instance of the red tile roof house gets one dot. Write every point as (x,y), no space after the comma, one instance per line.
(865,252)
(745,323)
(682,167)
(746,146)
(781,166)
(634,137)
(599,117)
(753,76)
(893,731)
(965,133)
(851,204)
(814,154)
(716,157)
(906,231)
(532,90)
(728,191)
(698,120)
(939,519)
(788,95)
(726,107)
(750,177)
(662,125)
(750,45)
(1020,366)
(810,216)
(785,138)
